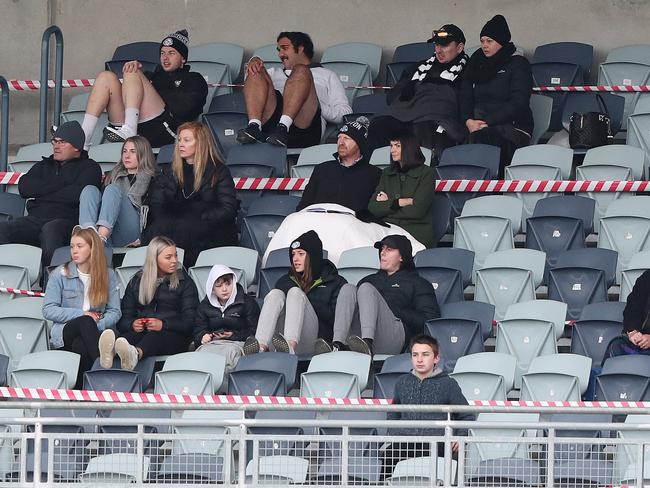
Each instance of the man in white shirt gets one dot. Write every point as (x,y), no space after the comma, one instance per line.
(290,106)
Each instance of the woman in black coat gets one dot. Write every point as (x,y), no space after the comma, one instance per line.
(495,93)
(158,310)
(194,201)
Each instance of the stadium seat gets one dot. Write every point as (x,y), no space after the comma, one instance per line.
(370,104)
(231,102)
(603,311)
(225,53)
(549,310)
(278,470)
(460,172)
(257,373)
(456,338)
(112,380)
(148,53)
(106,155)
(381,157)
(29,155)
(590,338)
(310,157)
(263,217)
(541,106)
(554,235)
(165,155)
(351,74)
(264,154)
(568,206)
(485,375)
(581,102)
(636,266)
(133,261)
(577,286)
(224,127)
(241,260)
(193,373)
(336,374)
(471,310)
(638,126)
(616,387)
(357,263)
(642,106)
(19,267)
(449,270)
(76,111)
(482,155)
(269,54)
(404,56)
(22,329)
(421,471)
(626,460)
(46,369)
(12,206)
(441,216)
(358,52)
(559,377)
(550,73)
(393,368)
(213,73)
(625,73)
(566,52)
(115,468)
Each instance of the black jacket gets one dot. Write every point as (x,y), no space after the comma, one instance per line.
(53,188)
(240,317)
(503,99)
(350,186)
(204,220)
(184,93)
(410,297)
(176,308)
(638,305)
(322,296)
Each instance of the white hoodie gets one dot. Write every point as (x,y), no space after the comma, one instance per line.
(217,271)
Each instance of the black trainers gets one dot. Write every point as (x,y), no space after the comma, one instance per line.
(250,134)
(279,136)
(251,346)
(357,344)
(281,344)
(321,346)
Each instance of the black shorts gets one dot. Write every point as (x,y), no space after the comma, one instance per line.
(159,131)
(297,137)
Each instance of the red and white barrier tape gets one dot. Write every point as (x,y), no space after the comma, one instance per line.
(16,291)
(291,184)
(594,88)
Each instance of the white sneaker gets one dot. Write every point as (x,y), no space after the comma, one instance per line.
(128,354)
(118,134)
(106,348)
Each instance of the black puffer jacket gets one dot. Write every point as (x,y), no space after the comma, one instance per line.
(205,219)
(322,296)
(410,297)
(184,92)
(638,305)
(240,317)
(176,308)
(502,99)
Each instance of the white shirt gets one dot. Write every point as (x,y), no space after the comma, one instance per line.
(85,279)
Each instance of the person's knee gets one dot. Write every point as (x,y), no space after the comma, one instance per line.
(105,78)
(296,293)
(89,191)
(112,190)
(300,72)
(365,289)
(274,296)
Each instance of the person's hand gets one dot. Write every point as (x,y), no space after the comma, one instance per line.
(206,338)
(255,66)
(382,196)
(224,334)
(132,67)
(405,202)
(633,336)
(643,341)
(154,324)
(96,316)
(473,125)
(139,324)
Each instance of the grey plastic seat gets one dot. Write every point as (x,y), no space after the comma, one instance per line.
(329,384)
(351,74)
(12,206)
(449,270)
(345,362)
(224,127)
(133,261)
(384,384)
(263,154)
(545,155)
(590,338)
(486,375)
(564,363)
(272,373)
(603,311)
(542,107)
(230,102)
(637,134)
(642,106)
(358,52)
(619,155)
(106,155)
(357,263)
(29,155)
(626,460)
(591,257)
(566,52)
(482,155)
(182,373)
(577,286)
(554,235)
(421,471)
(399,363)
(552,72)
(286,364)
(213,73)
(220,52)
(472,310)
(310,157)
(112,380)
(573,206)
(633,53)
(22,329)
(625,73)
(263,217)
(545,386)
(23,256)
(241,260)
(280,469)
(269,54)
(636,266)
(380,157)
(633,364)
(548,310)
(509,277)
(46,369)
(456,338)
(115,468)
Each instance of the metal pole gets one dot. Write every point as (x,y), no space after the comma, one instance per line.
(58,77)
(4,125)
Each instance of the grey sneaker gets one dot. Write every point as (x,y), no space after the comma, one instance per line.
(107,348)
(251,346)
(128,354)
(357,344)
(118,134)
(281,344)
(250,134)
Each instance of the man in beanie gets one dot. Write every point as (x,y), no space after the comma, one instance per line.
(52,187)
(349,179)
(393,303)
(290,106)
(426,96)
(152,105)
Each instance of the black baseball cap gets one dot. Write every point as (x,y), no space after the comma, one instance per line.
(446,34)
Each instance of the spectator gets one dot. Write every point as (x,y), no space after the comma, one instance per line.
(225,317)
(426,384)
(82,299)
(193,202)
(495,93)
(427,96)
(52,188)
(116,212)
(394,303)
(311,295)
(405,191)
(158,310)
(635,338)
(348,179)
(150,104)
(290,106)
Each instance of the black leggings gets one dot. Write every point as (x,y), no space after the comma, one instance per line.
(157,343)
(81,335)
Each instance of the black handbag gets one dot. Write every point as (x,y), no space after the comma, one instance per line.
(591,129)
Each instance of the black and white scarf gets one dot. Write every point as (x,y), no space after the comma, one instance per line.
(431,71)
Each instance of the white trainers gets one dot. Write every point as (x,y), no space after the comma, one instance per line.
(107,348)
(128,354)
(118,134)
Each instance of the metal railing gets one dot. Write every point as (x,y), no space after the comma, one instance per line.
(42,444)
(58,77)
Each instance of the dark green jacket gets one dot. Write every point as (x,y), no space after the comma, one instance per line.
(417,183)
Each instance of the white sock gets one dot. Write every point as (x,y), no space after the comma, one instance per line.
(256,121)
(88,125)
(131,116)
(286,120)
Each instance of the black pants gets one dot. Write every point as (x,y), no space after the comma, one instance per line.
(157,343)
(494,136)
(44,233)
(81,335)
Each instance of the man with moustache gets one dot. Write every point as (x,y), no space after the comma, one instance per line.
(290,106)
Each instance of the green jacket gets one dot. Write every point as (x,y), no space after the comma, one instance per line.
(417,183)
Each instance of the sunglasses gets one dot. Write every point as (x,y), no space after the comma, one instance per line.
(440,33)
(58,141)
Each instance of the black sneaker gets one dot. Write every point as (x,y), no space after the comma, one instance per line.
(321,346)
(281,344)
(251,346)
(279,136)
(250,134)
(357,344)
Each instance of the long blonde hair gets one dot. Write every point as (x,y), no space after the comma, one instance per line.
(149,278)
(97,267)
(144,153)
(206,153)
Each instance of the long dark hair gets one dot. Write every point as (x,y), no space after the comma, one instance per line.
(304,279)
(412,156)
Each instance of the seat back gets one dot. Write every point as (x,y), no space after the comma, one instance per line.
(631,363)
(214,74)
(549,387)
(549,310)
(351,74)
(482,155)
(566,52)
(447,283)
(269,54)
(329,384)
(626,235)
(266,154)
(316,154)
(477,385)
(112,380)
(482,235)
(345,362)
(241,260)
(380,157)
(12,206)
(636,266)
(624,73)
(576,286)
(496,206)
(531,172)
(637,134)
(560,74)
(370,104)
(461,172)
(106,155)
(581,102)
(357,263)
(542,108)
(20,335)
(472,310)
(230,102)
(574,206)
(554,235)
(357,52)
(220,52)
(224,127)
(63,362)
(447,257)
(276,362)
(413,52)
(620,155)
(495,363)
(456,338)
(253,382)
(564,363)
(590,338)
(547,155)
(603,311)
(616,387)
(24,256)
(503,287)
(591,257)
(384,384)
(197,361)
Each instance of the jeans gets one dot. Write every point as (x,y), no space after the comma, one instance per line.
(112,210)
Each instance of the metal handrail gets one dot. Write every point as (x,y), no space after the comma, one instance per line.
(4,125)
(58,77)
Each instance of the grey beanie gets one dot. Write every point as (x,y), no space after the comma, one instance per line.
(71,132)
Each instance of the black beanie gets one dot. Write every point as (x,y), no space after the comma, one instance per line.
(358,131)
(179,41)
(403,245)
(71,132)
(497,29)
(311,243)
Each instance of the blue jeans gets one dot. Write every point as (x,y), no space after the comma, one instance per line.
(112,210)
